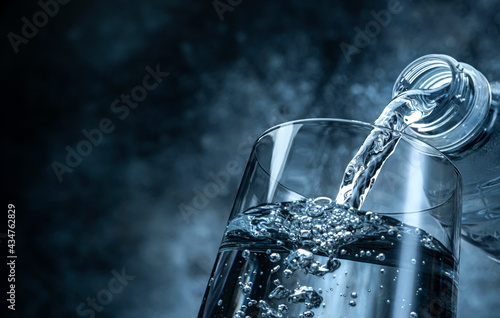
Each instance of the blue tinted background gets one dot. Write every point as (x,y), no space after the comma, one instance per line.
(121,207)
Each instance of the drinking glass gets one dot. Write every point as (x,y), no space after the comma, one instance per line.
(290,251)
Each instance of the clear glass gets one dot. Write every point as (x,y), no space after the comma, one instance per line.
(466,127)
(404,265)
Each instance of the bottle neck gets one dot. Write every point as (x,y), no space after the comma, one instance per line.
(461,112)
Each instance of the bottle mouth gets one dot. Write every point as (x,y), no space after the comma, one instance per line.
(463,104)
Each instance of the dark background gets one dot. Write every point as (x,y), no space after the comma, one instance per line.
(120,208)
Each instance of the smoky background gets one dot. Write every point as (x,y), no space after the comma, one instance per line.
(152,196)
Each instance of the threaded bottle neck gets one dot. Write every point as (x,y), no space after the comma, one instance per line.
(462,109)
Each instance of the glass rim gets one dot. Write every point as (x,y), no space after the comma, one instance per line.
(409,138)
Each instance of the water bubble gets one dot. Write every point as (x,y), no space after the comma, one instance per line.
(275,269)
(354,295)
(219,302)
(308,314)
(280,292)
(274,257)
(305,234)
(368,253)
(399,236)
(283,308)
(245,254)
(247,288)
(288,273)
(211,281)
(388,301)
(315,211)
(343,252)
(413,261)
(300,259)
(418,231)
(333,264)
(307,295)
(380,257)
(268,252)
(413,315)
(276,282)
(352,303)
(382,270)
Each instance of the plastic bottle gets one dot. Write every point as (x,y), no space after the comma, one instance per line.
(466,127)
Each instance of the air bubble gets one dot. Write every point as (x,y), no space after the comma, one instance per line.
(247,288)
(274,257)
(245,254)
(308,314)
(280,292)
(283,308)
(381,257)
(352,303)
(413,261)
(219,302)
(288,273)
(354,295)
(413,315)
